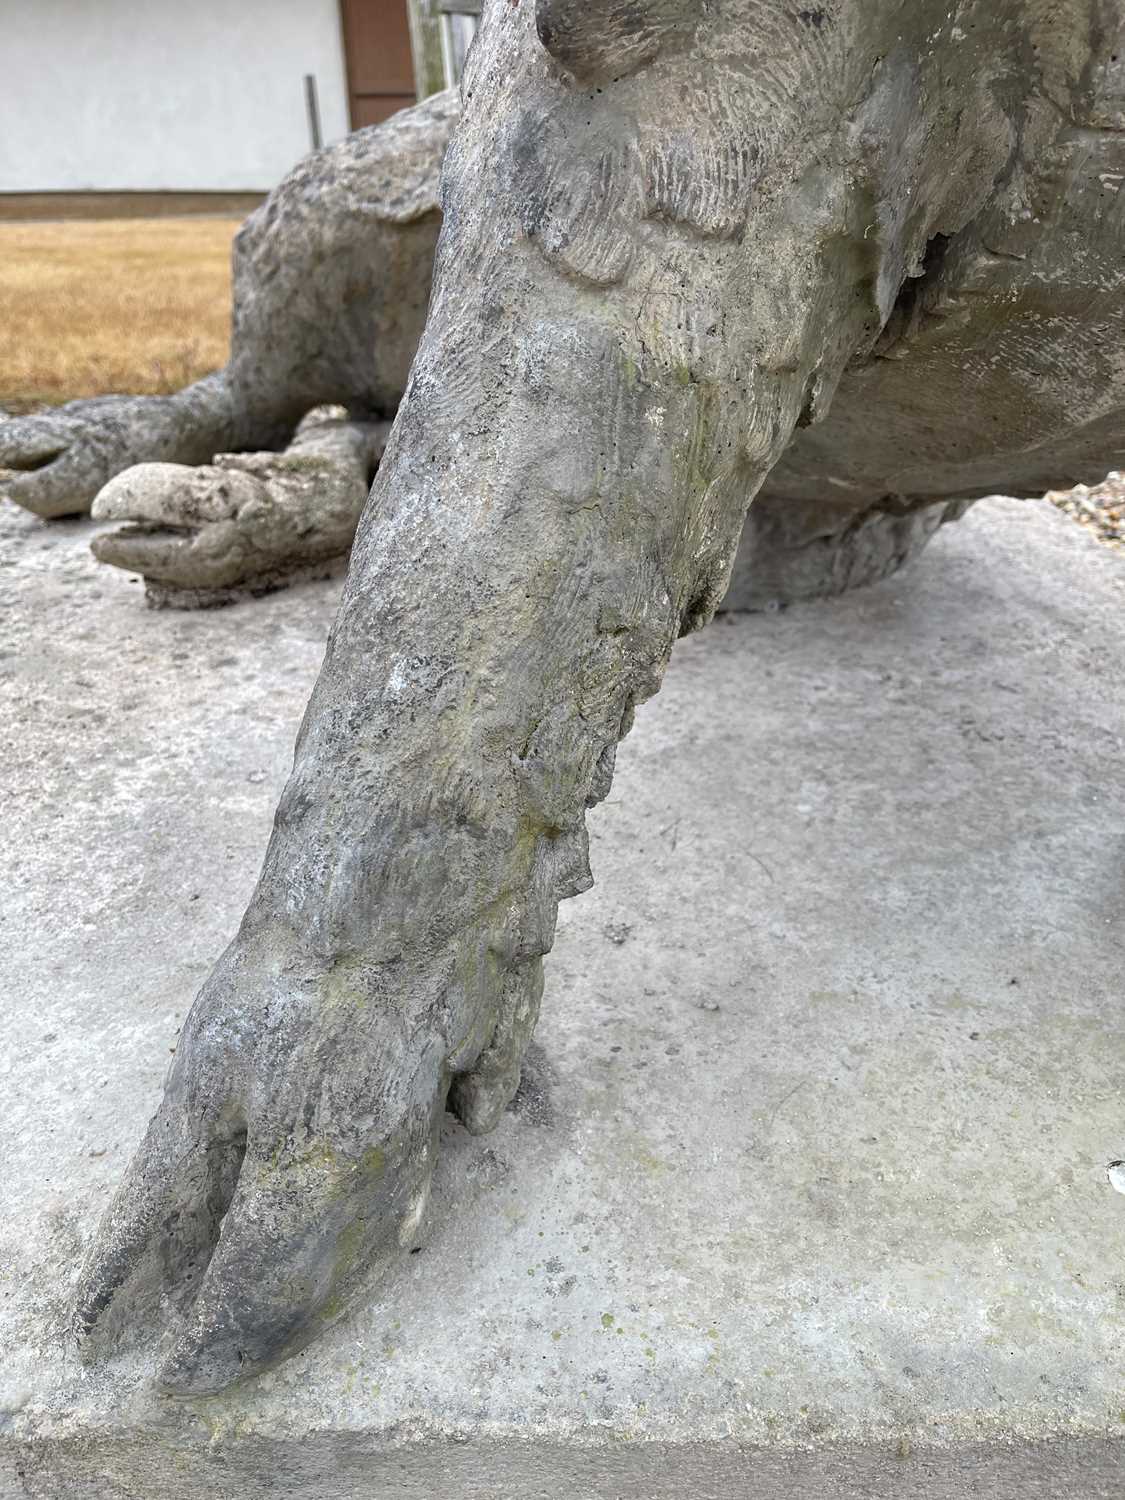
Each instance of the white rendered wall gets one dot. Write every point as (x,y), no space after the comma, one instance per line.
(128,95)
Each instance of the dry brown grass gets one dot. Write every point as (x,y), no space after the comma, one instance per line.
(134,305)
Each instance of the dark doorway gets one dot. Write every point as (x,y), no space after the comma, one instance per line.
(379,59)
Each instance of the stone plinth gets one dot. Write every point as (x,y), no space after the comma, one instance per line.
(805,1191)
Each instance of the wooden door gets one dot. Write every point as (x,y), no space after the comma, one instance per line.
(379,59)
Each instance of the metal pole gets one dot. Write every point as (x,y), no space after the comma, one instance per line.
(312,109)
(425,41)
(448,54)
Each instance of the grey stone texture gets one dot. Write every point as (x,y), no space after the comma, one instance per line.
(804,1194)
(1020,308)
(207,535)
(669,234)
(634,307)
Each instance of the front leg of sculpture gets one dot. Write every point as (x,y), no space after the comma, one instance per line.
(668,227)
(502,617)
(245,524)
(54,463)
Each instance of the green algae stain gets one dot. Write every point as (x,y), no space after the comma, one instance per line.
(373,1162)
(342,987)
(608,1320)
(331,1310)
(348,1249)
(348,1246)
(318,1158)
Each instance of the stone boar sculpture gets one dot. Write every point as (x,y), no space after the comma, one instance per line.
(331,282)
(674,234)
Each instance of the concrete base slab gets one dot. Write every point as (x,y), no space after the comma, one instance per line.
(805,1192)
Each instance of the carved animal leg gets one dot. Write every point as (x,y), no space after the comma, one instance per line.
(54,463)
(793,549)
(485,662)
(245,524)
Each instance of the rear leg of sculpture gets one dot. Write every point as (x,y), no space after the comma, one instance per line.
(247,523)
(795,549)
(53,463)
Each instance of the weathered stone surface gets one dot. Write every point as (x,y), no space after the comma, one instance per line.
(247,523)
(641,291)
(813,549)
(995,367)
(805,1192)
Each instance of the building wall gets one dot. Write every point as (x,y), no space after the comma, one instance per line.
(163,95)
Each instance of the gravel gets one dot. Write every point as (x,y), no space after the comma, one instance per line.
(1100,508)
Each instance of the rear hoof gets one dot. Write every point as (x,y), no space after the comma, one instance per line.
(247,524)
(793,550)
